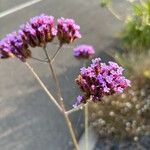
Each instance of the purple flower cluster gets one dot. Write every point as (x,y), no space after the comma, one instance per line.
(100,79)
(13,45)
(67,30)
(37,32)
(83,51)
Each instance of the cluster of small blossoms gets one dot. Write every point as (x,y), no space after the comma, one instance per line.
(13,45)
(83,51)
(38,31)
(100,79)
(67,30)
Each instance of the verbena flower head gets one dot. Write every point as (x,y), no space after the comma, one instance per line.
(67,30)
(13,45)
(83,51)
(36,32)
(100,79)
(5,51)
(39,30)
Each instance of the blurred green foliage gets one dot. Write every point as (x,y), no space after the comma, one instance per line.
(127,115)
(105,3)
(136,33)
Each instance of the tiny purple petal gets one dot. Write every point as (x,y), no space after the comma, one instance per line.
(79,100)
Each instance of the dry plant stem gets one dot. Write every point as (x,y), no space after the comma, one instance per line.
(44,87)
(73,110)
(38,59)
(86,116)
(68,122)
(114,13)
(86,125)
(77,108)
(53,75)
(58,50)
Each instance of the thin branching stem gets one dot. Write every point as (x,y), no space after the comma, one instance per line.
(44,87)
(68,122)
(74,110)
(111,10)
(86,125)
(57,51)
(38,59)
(80,107)
(86,117)
(53,74)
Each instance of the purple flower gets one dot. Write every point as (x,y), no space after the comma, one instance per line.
(83,51)
(13,45)
(67,30)
(39,30)
(5,50)
(100,79)
(79,100)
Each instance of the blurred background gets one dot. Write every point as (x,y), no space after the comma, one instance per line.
(27,120)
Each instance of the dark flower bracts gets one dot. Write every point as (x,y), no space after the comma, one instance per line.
(100,79)
(38,31)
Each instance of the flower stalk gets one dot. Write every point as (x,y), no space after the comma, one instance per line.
(43,86)
(74,110)
(38,59)
(66,117)
(86,126)
(111,10)
(58,50)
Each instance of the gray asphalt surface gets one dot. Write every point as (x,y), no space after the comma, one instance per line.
(27,120)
